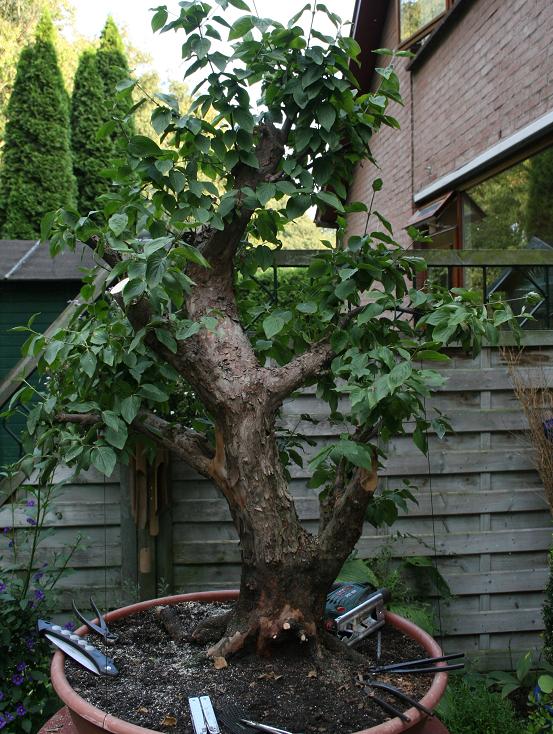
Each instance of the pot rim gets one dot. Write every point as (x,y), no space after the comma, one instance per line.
(107,722)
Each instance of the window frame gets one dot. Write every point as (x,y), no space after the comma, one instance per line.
(424,30)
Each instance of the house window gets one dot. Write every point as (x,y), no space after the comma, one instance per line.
(416,16)
(513,210)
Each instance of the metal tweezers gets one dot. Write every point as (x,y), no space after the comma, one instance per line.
(101,628)
(397,693)
(422,665)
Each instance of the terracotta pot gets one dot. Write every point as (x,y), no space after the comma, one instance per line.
(88,719)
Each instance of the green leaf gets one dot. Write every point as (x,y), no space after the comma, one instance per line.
(151,392)
(249,158)
(167,340)
(265,192)
(429,355)
(186,329)
(545,682)
(420,439)
(297,205)
(117,437)
(104,459)
(118,223)
(326,115)
(52,351)
(240,4)
(161,119)
(326,197)
(178,180)
(307,307)
(241,27)
(133,289)
(274,323)
(345,289)
(129,408)
(46,225)
(88,363)
(159,18)
(141,146)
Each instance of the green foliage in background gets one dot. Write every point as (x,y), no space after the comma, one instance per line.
(548,615)
(91,154)
(469,707)
(539,213)
(18,21)
(113,67)
(28,579)
(36,174)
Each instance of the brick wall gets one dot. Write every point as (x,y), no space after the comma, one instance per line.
(491,75)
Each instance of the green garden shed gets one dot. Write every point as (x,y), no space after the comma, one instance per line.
(31,282)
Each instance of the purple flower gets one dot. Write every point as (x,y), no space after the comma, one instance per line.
(39,594)
(21,710)
(17,679)
(30,643)
(21,666)
(69,626)
(10,544)
(31,521)
(9,717)
(5,531)
(3,587)
(38,576)
(3,722)
(30,503)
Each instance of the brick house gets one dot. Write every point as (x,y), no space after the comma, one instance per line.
(473,162)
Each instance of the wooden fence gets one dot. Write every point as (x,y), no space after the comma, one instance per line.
(481,514)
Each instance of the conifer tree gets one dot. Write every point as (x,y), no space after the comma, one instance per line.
(36,174)
(113,68)
(88,112)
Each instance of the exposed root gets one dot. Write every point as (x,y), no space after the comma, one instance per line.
(263,631)
(210,629)
(228,645)
(170,620)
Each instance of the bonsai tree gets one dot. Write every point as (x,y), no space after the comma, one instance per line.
(168,331)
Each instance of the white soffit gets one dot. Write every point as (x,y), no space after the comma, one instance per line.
(489,157)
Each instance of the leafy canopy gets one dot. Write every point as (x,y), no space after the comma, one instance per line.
(197,177)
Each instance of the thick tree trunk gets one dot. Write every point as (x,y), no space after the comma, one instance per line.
(284,577)
(286,572)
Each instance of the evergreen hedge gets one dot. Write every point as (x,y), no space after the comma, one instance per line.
(113,68)
(88,114)
(36,174)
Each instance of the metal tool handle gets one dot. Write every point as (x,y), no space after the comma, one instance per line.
(265,727)
(418,662)
(197,714)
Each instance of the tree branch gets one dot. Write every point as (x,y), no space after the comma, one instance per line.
(108,255)
(216,244)
(190,445)
(343,529)
(284,380)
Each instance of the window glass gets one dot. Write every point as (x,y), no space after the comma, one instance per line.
(415,14)
(513,210)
